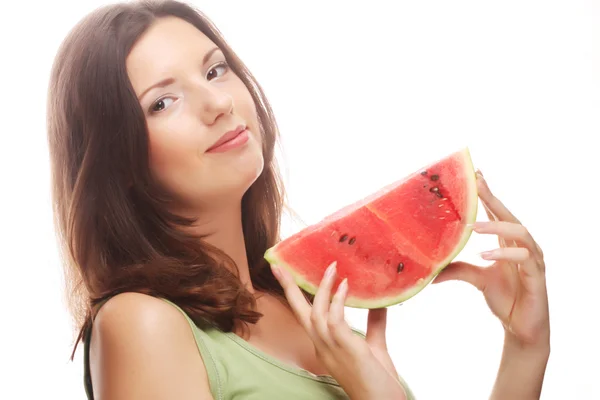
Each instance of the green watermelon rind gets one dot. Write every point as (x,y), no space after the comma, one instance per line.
(470,217)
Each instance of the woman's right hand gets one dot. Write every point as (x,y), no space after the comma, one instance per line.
(355,363)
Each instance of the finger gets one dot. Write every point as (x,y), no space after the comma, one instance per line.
(509,232)
(520,255)
(514,254)
(320,308)
(492,217)
(295,298)
(462,271)
(492,202)
(340,331)
(376,324)
(489,213)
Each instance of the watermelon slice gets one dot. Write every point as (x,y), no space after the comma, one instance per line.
(391,244)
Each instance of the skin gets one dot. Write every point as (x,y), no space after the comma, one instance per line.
(142,348)
(186,118)
(514,288)
(205,101)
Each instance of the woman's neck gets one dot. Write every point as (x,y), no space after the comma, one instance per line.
(223,229)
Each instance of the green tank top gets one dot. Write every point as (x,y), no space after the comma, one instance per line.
(238,370)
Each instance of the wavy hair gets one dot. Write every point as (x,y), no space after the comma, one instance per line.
(113,226)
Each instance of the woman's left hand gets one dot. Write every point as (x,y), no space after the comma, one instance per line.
(514,286)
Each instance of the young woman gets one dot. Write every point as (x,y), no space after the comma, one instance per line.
(166,197)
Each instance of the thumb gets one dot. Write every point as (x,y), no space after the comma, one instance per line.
(462,271)
(376,324)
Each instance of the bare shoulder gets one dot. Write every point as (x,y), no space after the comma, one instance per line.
(128,315)
(142,347)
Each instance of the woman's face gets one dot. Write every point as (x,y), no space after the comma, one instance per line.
(191,99)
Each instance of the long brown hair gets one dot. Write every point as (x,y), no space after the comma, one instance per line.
(111,217)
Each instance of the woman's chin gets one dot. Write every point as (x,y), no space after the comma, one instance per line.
(240,173)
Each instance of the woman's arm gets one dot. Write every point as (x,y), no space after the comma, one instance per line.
(143,348)
(521,372)
(514,288)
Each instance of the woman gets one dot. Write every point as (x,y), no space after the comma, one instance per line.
(166,197)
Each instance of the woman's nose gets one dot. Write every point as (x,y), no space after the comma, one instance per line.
(213,102)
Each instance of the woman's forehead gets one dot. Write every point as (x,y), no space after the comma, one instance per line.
(168,44)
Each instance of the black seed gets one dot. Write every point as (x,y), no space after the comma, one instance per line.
(423,172)
(435,177)
(343,238)
(400,267)
(351,241)
(434,189)
(438,194)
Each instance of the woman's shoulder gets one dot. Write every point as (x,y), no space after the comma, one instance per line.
(142,347)
(129,313)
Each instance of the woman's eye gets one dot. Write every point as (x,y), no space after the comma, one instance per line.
(161,104)
(217,71)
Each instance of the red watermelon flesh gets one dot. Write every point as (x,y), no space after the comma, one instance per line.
(391,244)
(436,198)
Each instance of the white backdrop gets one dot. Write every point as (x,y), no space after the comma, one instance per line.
(364,92)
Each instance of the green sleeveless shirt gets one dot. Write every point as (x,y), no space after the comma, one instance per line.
(237,370)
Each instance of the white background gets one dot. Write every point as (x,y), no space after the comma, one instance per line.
(364,92)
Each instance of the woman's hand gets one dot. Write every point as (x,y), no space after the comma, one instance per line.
(515,285)
(362,367)
(514,288)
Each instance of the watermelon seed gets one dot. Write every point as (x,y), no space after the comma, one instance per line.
(400,267)
(351,241)
(343,238)
(435,177)
(423,172)
(436,190)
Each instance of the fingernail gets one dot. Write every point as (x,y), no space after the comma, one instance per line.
(343,289)
(474,225)
(487,255)
(276,271)
(330,270)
